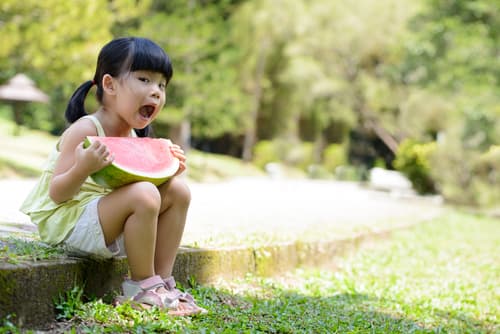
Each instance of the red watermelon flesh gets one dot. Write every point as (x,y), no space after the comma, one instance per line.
(135,159)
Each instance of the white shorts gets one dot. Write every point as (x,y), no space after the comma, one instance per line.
(87,237)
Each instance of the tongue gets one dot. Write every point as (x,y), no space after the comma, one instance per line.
(146,111)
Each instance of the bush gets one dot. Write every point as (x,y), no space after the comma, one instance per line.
(334,156)
(292,154)
(486,177)
(299,155)
(413,159)
(264,152)
(466,176)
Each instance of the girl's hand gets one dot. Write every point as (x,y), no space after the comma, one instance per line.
(178,152)
(92,158)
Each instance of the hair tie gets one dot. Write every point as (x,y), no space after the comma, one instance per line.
(93,82)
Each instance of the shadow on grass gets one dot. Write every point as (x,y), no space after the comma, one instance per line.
(290,312)
(276,310)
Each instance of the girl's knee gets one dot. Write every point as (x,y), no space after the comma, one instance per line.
(178,192)
(145,195)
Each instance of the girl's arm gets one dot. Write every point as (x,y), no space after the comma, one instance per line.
(76,163)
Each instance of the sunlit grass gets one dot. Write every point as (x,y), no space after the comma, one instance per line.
(439,277)
(15,250)
(213,167)
(24,156)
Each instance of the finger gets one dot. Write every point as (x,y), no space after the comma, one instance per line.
(180,156)
(95,145)
(102,149)
(108,158)
(176,150)
(182,168)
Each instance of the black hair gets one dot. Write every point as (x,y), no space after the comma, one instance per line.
(121,55)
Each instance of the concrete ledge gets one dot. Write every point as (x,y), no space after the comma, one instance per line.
(29,290)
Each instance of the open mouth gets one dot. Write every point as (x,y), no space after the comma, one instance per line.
(147,111)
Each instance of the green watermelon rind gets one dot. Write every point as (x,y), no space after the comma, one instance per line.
(114,176)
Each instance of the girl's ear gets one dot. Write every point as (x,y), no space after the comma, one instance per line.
(108,84)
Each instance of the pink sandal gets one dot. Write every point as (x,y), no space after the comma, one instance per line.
(184,298)
(154,292)
(148,293)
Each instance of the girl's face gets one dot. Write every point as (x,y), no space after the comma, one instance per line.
(140,97)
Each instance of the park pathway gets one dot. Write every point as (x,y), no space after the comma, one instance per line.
(253,210)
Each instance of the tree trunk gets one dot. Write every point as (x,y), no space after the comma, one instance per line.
(185,134)
(17,110)
(251,130)
(384,136)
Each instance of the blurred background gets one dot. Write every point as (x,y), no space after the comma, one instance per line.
(327,89)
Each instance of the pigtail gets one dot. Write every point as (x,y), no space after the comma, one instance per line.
(76,105)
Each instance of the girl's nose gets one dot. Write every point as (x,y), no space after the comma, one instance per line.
(156,93)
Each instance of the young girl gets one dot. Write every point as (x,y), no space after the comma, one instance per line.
(140,220)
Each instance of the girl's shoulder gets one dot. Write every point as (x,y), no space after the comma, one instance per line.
(77,131)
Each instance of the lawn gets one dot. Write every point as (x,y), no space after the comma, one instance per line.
(25,155)
(438,277)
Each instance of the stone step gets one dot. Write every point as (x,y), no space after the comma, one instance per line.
(28,290)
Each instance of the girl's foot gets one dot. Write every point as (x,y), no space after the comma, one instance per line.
(185,299)
(154,292)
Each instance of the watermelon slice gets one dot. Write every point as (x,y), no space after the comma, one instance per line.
(136,159)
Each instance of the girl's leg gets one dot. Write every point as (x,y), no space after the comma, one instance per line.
(133,209)
(176,197)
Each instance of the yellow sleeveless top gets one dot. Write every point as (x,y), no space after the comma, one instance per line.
(56,221)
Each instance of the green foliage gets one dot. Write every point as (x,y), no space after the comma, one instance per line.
(264,152)
(8,327)
(334,156)
(56,43)
(466,176)
(298,155)
(69,303)
(351,173)
(16,250)
(486,177)
(204,87)
(424,114)
(303,70)
(413,160)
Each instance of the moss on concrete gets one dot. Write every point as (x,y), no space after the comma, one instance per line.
(208,265)
(42,282)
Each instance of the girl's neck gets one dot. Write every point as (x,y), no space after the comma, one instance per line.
(113,125)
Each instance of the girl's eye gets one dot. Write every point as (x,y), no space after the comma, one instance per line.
(162,86)
(143,79)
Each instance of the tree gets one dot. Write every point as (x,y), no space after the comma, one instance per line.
(260,30)
(339,64)
(454,53)
(57,42)
(203,99)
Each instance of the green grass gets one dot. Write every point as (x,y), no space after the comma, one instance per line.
(25,155)
(213,167)
(439,277)
(16,250)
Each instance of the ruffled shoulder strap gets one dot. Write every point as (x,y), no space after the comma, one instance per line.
(100,129)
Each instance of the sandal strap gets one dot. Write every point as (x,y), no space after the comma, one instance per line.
(170,282)
(149,297)
(151,283)
(183,296)
(146,292)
